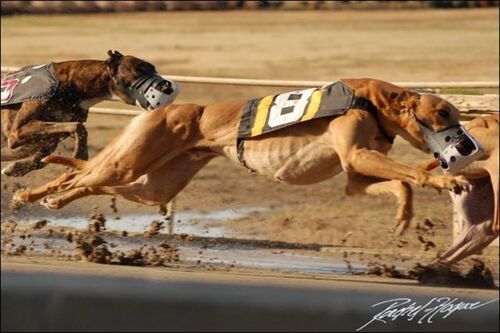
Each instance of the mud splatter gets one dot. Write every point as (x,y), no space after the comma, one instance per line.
(68,236)
(89,247)
(112,205)
(20,250)
(9,227)
(186,237)
(350,269)
(425,231)
(426,244)
(93,248)
(40,224)
(97,223)
(162,210)
(478,276)
(384,270)
(154,229)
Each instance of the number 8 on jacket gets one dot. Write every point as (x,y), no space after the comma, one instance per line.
(289,107)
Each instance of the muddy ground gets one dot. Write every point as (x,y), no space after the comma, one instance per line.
(396,46)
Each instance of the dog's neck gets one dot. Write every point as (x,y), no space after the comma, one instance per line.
(87,81)
(379,92)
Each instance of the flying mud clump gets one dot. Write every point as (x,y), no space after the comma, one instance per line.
(93,248)
(154,229)
(40,224)
(97,223)
(478,276)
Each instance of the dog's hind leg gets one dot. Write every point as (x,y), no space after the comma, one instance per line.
(20,167)
(25,196)
(495,184)
(471,241)
(150,141)
(359,184)
(158,187)
(475,210)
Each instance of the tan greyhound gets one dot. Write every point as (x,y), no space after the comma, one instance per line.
(478,209)
(157,155)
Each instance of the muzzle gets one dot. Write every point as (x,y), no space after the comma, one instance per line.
(152,91)
(454,147)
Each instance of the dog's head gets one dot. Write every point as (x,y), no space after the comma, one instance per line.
(432,125)
(418,110)
(124,70)
(136,81)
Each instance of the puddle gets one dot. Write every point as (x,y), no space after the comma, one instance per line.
(307,261)
(186,222)
(197,224)
(266,259)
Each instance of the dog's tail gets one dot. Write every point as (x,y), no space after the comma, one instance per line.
(68,161)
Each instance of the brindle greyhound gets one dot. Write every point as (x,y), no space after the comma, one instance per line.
(160,152)
(477,210)
(33,129)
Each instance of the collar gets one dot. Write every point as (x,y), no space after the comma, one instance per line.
(366,105)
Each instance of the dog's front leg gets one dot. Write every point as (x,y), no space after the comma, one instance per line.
(352,135)
(372,163)
(80,150)
(359,184)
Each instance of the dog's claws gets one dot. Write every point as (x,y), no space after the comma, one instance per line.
(49,203)
(461,185)
(19,197)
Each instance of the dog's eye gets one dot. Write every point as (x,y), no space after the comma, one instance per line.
(444,114)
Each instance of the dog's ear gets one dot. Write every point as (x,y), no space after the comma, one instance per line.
(405,101)
(118,54)
(115,54)
(113,61)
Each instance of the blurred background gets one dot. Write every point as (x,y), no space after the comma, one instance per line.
(48,7)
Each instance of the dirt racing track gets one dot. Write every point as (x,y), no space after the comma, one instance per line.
(92,274)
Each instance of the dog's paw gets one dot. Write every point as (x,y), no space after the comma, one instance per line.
(50,203)
(456,184)
(14,170)
(461,184)
(21,196)
(400,228)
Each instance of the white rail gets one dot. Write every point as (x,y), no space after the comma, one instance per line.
(295,83)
